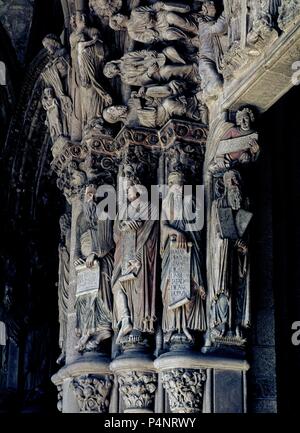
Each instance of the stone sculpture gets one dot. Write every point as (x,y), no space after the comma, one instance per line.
(94,252)
(145,67)
(158,22)
(185,313)
(210,49)
(56,75)
(134,277)
(63,282)
(87,52)
(230,218)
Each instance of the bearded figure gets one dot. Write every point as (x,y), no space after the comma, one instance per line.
(94,246)
(190,316)
(229,264)
(134,277)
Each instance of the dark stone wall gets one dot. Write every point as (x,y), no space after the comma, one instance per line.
(275,260)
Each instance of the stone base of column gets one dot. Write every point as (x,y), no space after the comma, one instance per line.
(137,380)
(90,371)
(197,383)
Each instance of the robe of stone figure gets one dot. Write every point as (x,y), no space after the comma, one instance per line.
(141,291)
(89,98)
(192,314)
(229,270)
(94,311)
(57,74)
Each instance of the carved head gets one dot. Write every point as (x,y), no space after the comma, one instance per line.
(115,113)
(90,193)
(245,118)
(80,20)
(232,182)
(209,8)
(52,43)
(118,22)
(49,93)
(111,69)
(175,178)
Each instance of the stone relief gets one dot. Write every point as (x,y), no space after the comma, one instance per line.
(94,261)
(185,389)
(63,282)
(147,67)
(228,239)
(56,77)
(88,95)
(183,312)
(210,49)
(138,389)
(93,393)
(105,8)
(134,276)
(288,12)
(157,22)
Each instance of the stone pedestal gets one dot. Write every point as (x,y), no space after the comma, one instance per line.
(137,381)
(196,383)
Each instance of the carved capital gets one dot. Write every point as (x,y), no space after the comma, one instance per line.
(184,144)
(138,389)
(185,389)
(93,392)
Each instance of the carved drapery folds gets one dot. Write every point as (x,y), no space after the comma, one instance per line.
(137,389)
(230,217)
(185,389)
(93,393)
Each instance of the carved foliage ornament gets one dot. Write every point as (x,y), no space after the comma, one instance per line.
(185,389)
(138,389)
(93,392)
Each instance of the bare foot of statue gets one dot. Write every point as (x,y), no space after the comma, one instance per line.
(61,359)
(126,327)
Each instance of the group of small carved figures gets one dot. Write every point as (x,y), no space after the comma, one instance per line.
(174,76)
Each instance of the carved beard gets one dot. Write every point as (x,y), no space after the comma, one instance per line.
(89,209)
(234,197)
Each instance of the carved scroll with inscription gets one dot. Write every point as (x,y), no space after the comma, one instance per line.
(180,275)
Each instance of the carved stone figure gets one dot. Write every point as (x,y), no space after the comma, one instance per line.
(233,13)
(89,97)
(158,22)
(138,389)
(63,282)
(184,313)
(105,8)
(93,393)
(56,74)
(263,19)
(145,67)
(152,111)
(54,115)
(185,389)
(239,145)
(94,249)
(210,49)
(134,277)
(229,264)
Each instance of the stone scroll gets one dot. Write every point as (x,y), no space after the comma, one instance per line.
(236,144)
(180,275)
(88,280)
(128,254)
